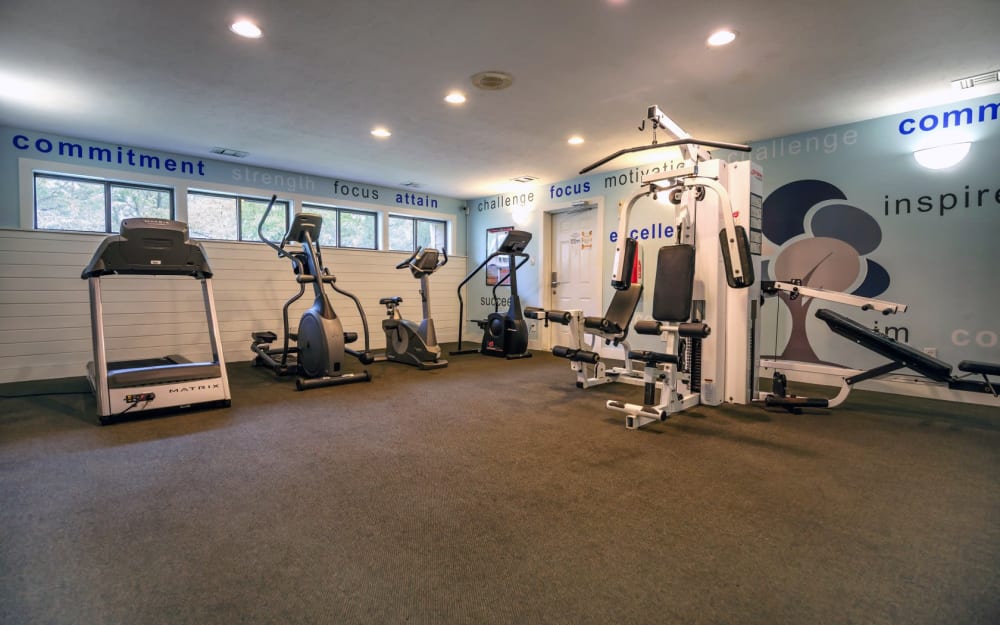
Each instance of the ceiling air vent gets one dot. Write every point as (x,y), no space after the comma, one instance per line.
(524,179)
(492,80)
(228,152)
(975,81)
(411,184)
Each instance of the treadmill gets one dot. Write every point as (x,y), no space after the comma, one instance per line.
(153,247)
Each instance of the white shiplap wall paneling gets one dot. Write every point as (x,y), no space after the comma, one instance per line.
(45,316)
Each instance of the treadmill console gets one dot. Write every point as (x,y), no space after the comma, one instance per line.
(148,246)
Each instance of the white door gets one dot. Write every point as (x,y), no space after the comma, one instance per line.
(576,268)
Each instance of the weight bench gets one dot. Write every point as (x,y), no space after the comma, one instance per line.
(662,371)
(612,328)
(901,356)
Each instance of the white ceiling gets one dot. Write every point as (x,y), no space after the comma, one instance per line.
(170,75)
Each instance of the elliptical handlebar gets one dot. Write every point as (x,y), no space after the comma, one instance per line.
(280,249)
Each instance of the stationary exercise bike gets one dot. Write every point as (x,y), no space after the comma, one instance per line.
(405,341)
(318,357)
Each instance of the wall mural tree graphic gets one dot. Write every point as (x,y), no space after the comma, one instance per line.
(826,253)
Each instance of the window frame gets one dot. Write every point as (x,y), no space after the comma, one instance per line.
(305,207)
(178,190)
(414,220)
(239,199)
(107,183)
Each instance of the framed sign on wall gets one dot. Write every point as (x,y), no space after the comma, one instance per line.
(498,267)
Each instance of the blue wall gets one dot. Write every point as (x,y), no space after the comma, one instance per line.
(831,198)
(200,173)
(849,199)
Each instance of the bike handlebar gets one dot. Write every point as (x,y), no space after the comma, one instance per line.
(409,260)
(440,263)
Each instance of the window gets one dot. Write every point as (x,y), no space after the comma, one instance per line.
(234,218)
(357,229)
(68,203)
(408,233)
(328,231)
(346,227)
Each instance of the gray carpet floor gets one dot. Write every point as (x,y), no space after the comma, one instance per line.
(496,492)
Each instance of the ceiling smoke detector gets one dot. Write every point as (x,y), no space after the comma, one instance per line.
(492,80)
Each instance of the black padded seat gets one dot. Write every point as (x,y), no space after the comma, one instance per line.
(653,358)
(618,317)
(693,330)
(901,353)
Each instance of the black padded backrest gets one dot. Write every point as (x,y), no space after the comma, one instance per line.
(920,362)
(674,283)
(622,307)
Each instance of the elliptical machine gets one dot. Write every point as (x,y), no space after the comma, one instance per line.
(505,334)
(318,357)
(405,341)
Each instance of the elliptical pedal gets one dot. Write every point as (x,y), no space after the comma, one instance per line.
(264,338)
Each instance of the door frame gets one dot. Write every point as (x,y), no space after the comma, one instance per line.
(545,274)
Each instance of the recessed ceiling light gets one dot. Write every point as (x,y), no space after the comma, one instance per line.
(721,37)
(245,28)
(455,97)
(381,132)
(575,140)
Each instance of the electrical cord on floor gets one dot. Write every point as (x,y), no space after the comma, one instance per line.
(130,407)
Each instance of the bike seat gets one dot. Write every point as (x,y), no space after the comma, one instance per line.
(390,300)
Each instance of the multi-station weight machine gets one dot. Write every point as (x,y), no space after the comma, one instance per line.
(704,299)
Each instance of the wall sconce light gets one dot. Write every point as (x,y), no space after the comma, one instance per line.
(942,156)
